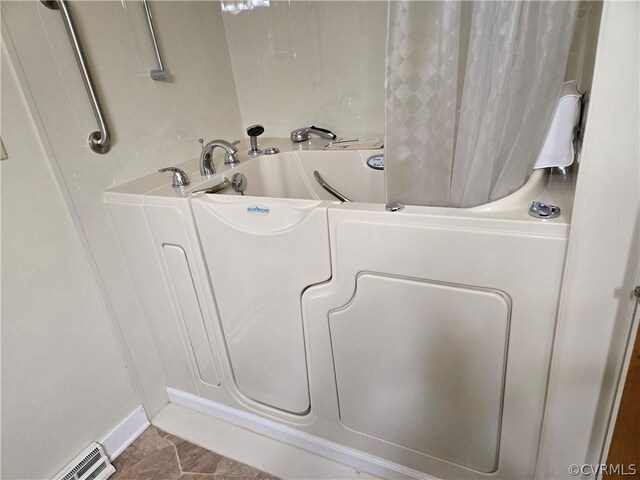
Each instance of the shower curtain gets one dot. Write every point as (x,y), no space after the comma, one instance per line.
(471,89)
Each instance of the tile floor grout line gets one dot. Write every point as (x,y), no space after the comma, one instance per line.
(175,449)
(235,466)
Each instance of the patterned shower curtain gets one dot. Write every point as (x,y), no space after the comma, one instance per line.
(471,89)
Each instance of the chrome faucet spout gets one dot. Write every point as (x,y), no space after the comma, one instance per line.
(207,167)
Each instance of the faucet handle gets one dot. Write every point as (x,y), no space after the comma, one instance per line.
(323,132)
(180,178)
(303,134)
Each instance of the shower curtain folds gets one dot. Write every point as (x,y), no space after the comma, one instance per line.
(471,89)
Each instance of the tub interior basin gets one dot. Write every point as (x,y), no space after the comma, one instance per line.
(291,175)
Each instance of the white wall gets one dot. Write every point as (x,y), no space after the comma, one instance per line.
(297,64)
(64,380)
(154,124)
(603,258)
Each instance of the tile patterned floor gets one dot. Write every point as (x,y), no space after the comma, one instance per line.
(158,455)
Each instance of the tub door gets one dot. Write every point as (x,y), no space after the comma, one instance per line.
(428,366)
(261,255)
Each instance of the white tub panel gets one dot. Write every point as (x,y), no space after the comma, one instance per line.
(457,249)
(259,341)
(189,306)
(144,263)
(261,254)
(428,366)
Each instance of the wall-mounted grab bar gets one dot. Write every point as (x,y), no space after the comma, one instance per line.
(160,73)
(100,141)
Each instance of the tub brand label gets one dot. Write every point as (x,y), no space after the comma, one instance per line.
(258,210)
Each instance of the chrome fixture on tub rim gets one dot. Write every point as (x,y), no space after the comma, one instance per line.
(254,131)
(303,134)
(207,168)
(180,178)
(543,210)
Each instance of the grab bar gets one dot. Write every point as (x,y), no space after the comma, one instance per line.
(160,73)
(99,141)
(329,188)
(215,188)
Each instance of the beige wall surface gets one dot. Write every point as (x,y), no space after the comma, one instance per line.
(154,124)
(298,64)
(603,257)
(64,381)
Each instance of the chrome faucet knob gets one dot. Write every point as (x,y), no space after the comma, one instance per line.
(180,178)
(254,131)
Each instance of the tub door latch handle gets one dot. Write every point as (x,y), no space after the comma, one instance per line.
(543,210)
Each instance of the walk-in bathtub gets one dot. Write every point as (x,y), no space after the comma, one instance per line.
(420,337)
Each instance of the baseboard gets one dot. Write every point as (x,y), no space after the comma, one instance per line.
(334,451)
(125,433)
